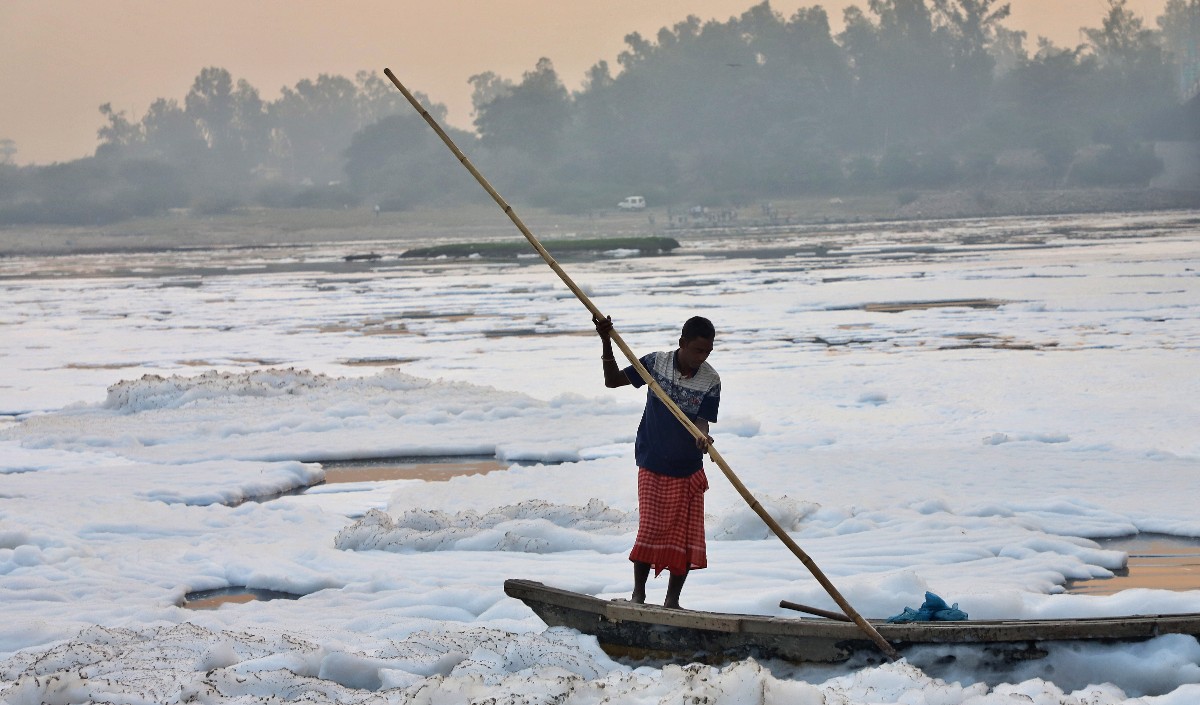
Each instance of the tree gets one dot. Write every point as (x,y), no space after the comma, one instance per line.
(486,87)
(803,81)
(171,135)
(1057,147)
(1046,102)
(315,121)
(1008,50)
(1122,41)
(904,70)
(231,120)
(1132,70)
(399,162)
(8,150)
(149,186)
(973,26)
(1180,26)
(378,98)
(119,134)
(250,128)
(530,117)
(210,103)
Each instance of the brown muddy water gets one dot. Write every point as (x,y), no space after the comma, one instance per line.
(430,469)
(213,599)
(1156,561)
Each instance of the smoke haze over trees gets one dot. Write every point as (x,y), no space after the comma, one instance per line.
(912,94)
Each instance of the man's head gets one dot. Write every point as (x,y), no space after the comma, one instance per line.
(698,327)
(695,343)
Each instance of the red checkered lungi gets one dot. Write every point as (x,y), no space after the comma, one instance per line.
(671,523)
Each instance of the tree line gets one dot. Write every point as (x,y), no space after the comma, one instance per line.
(911,94)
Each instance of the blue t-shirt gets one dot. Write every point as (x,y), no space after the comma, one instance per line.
(663,444)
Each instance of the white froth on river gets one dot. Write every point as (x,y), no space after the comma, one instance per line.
(975,451)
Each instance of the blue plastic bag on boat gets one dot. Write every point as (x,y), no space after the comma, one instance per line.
(935,609)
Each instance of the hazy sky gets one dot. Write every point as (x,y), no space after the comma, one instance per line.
(61,59)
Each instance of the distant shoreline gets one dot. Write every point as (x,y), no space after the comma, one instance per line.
(261,228)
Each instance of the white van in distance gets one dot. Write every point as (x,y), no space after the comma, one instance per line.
(632,203)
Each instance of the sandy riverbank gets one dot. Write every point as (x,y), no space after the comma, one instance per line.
(484,221)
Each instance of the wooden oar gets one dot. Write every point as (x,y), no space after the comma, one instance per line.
(882,643)
(836,616)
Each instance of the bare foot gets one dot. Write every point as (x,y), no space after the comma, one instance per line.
(639,598)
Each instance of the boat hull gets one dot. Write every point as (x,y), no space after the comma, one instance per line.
(625,628)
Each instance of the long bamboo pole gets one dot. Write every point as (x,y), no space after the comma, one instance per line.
(882,643)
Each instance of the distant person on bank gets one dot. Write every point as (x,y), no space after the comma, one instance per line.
(671,480)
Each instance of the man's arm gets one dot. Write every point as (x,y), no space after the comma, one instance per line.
(613,376)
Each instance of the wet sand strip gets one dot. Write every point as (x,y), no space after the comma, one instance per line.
(432,469)
(1156,561)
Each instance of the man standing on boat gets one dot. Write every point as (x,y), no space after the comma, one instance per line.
(671,480)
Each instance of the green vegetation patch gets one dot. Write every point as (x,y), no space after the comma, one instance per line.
(508,250)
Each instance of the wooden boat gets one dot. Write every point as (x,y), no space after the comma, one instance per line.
(624,628)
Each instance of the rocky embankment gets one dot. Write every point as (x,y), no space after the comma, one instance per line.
(987,203)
